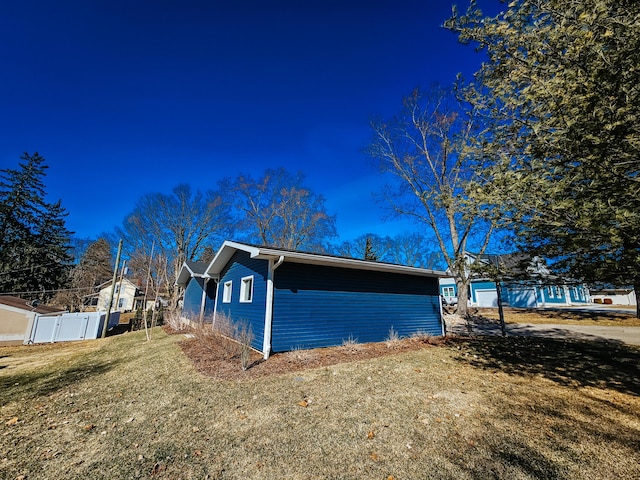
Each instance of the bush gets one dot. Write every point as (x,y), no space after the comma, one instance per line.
(393,338)
(226,339)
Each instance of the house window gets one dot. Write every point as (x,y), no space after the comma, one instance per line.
(550,292)
(226,293)
(448,292)
(246,290)
(121,303)
(117,289)
(558,291)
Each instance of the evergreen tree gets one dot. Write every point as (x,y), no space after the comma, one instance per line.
(560,94)
(34,241)
(369,253)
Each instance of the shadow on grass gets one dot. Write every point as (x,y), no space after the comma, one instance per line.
(47,381)
(566,362)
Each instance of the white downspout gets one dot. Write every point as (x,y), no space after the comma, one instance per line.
(203,300)
(268,311)
(215,303)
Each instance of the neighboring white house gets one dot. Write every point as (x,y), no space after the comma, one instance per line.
(614,296)
(127,297)
(124,296)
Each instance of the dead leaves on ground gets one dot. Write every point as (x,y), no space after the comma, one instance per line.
(11,422)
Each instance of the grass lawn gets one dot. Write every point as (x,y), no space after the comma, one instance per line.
(567,316)
(471,409)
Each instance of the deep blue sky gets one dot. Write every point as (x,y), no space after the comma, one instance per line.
(125,98)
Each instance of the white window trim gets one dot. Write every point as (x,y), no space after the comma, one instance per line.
(227,291)
(246,296)
(447,292)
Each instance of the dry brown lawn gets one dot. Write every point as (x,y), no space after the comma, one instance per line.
(567,316)
(465,409)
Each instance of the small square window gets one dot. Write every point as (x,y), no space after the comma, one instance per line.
(246,290)
(226,293)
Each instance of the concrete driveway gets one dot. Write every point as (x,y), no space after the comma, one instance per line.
(629,335)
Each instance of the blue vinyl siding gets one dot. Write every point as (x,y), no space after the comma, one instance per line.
(210,301)
(317,306)
(553,294)
(578,294)
(192,299)
(242,265)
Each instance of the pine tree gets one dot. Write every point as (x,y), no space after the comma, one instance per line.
(34,241)
(369,253)
(559,94)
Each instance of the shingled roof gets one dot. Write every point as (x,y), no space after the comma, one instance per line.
(23,304)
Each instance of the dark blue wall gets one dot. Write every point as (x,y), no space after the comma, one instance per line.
(193,297)
(318,306)
(242,265)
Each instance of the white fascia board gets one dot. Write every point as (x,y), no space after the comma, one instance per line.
(185,274)
(229,248)
(224,254)
(351,263)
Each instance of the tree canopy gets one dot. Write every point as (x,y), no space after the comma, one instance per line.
(164,230)
(412,249)
(560,96)
(278,210)
(34,241)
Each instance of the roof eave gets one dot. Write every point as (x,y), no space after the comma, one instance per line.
(229,248)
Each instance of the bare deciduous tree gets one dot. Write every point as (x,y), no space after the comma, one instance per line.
(279,211)
(425,148)
(181,225)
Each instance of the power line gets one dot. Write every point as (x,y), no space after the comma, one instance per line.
(47,291)
(31,268)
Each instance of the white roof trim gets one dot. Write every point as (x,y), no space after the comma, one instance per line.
(229,248)
(183,279)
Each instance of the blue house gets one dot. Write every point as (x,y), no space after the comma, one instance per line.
(541,290)
(199,292)
(306,300)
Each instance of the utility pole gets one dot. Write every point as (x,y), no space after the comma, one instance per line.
(113,286)
(120,283)
(498,274)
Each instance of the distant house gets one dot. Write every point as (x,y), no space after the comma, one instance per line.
(540,289)
(614,295)
(127,297)
(17,317)
(305,300)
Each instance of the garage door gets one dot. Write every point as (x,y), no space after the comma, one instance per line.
(486,298)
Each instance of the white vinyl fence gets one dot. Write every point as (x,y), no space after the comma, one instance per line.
(70,326)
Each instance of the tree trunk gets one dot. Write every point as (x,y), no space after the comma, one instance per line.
(636,289)
(463,297)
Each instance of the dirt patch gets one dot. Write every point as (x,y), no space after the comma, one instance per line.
(214,361)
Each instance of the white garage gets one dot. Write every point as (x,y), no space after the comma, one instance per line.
(486,298)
